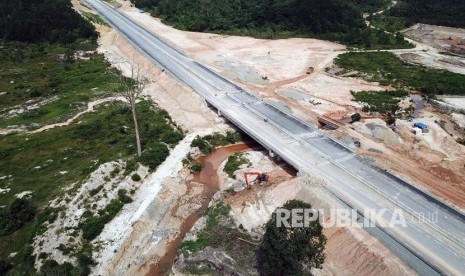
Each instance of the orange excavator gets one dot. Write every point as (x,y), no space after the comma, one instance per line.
(261,177)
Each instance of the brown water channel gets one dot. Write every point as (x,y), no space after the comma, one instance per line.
(209,177)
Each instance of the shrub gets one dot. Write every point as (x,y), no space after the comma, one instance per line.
(154,156)
(93,226)
(284,250)
(196,167)
(233,137)
(172,137)
(15,216)
(85,262)
(391,120)
(123,197)
(4,267)
(136,177)
(95,191)
(356,117)
(131,165)
(233,164)
(51,267)
(202,144)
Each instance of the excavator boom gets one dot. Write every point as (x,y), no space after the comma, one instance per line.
(261,177)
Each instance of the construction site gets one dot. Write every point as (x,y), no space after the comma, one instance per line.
(171,206)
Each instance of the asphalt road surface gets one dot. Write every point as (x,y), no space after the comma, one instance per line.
(432,237)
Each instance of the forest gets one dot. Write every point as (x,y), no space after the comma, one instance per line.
(336,20)
(43,21)
(436,12)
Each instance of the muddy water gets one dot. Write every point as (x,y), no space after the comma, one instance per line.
(209,177)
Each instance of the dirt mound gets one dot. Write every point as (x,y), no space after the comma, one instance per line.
(377,128)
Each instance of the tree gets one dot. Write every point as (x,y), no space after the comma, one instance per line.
(286,251)
(15,216)
(356,117)
(132,89)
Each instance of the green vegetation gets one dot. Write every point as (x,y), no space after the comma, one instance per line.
(92,17)
(233,164)
(49,60)
(221,233)
(123,197)
(43,21)
(390,23)
(215,215)
(435,12)
(408,12)
(356,117)
(335,20)
(154,156)
(193,246)
(196,270)
(208,143)
(50,74)
(35,161)
(196,167)
(284,251)
(51,267)
(15,216)
(387,69)
(383,102)
(135,177)
(92,226)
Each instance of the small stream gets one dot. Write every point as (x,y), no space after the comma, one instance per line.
(209,177)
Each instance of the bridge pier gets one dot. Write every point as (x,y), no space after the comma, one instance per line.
(219,113)
(271,154)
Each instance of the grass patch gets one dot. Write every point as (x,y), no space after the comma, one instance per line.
(387,69)
(233,164)
(380,101)
(198,270)
(214,215)
(200,243)
(48,74)
(390,23)
(97,19)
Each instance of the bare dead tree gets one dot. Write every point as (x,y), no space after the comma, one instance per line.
(132,89)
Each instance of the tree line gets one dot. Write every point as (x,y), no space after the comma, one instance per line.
(51,21)
(337,20)
(436,12)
